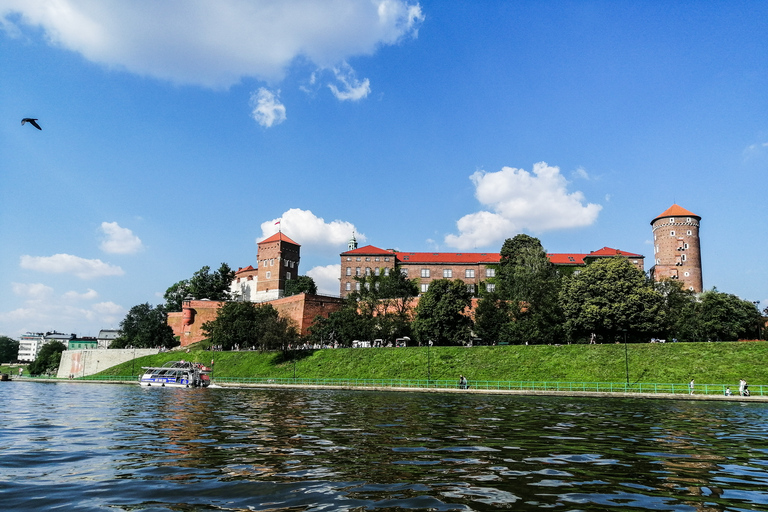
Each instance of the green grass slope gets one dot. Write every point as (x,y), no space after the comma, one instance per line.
(712,363)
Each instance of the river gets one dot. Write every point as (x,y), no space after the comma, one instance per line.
(70,446)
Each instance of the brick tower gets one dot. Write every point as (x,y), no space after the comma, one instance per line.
(278,258)
(676,248)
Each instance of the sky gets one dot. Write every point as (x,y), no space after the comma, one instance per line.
(176,135)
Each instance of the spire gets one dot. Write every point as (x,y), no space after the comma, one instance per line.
(352,245)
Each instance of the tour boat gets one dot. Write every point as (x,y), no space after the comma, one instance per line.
(177,374)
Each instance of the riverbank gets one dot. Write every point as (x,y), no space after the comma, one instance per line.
(714,363)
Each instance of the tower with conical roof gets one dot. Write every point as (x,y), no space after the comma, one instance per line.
(676,248)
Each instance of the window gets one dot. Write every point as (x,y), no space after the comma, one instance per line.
(357,271)
(285,263)
(348,287)
(671,233)
(404,271)
(424,287)
(287,275)
(490,287)
(269,274)
(349,271)
(470,272)
(490,272)
(688,219)
(386,271)
(471,288)
(367,258)
(690,232)
(683,258)
(671,220)
(386,258)
(272,262)
(349,258)
(447,273)
(425,272)
(357,259)
(687,274)
(357,286)
(377,271)
(367,271)
(377,258)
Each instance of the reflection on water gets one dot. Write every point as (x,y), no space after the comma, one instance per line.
(112,447)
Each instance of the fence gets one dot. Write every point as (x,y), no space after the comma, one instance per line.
(571,387)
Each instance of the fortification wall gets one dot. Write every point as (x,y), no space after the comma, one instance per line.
(81,363)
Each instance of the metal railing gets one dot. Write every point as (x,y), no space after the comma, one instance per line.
(491,385)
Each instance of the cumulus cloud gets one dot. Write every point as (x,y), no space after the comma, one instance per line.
(69,264)
(519,200)
(266,107)
(73,295)
(326,278)
(119,240)
(42,309)
(215,44)
(306,228)
(351,89)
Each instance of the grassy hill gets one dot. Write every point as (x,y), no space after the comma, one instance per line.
(712,363)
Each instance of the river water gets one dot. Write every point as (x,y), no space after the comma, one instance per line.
(70,446)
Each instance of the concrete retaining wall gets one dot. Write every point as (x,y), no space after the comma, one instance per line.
(87,362)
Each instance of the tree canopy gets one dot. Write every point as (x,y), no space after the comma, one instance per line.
(609,297)
(302,284)
(9,349)
(246,325)
(145,326)
(48,359)
(203,284)
(441,314)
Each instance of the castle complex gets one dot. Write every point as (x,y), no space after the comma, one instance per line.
(677,256)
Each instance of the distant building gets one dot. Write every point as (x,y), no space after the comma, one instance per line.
(277,262)
(107,336)
(84,343)
(475,269)
(31,343)
(676,248)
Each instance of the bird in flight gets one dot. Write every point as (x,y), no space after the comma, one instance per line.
(31,121)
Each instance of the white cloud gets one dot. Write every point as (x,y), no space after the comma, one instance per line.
(73,295)
(326,278)
(69,264)
(305,228)
(215,44)
(32,291)
(518,201)
(352,89)
(119,240)
(43,310)
(267,109)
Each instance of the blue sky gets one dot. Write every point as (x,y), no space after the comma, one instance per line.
(176,133)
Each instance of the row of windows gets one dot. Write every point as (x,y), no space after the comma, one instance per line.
(490,287)
(269,275)
(271,263)
(376,271)
(368,258)
(448,272)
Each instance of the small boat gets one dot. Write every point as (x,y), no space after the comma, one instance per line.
(176,374)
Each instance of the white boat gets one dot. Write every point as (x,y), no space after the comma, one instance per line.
(176,374)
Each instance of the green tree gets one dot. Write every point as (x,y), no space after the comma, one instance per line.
(726,317)
(610,296)
(48,359)
(342,327)
(302,284)
(384,301)
(441,315)
(9,349)
(247,325)
(528,284)
(145,327)
(680,310)
(203,284)
(491,315)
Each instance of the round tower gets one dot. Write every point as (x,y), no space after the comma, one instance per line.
(676,248)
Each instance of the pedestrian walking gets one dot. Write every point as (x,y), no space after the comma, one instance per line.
(690,387)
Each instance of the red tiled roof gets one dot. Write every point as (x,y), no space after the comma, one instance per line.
(607,251)
(676,211)
(278,237)
(483,257)
(448,257)
(246,269)
(368,249)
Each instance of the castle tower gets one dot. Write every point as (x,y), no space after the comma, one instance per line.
(278,258)
(676,248)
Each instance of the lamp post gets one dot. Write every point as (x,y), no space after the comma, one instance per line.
(626,356)
(429,362)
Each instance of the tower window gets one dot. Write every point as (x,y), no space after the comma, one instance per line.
(269,274)
(672,233)
(671,220)
(689,233)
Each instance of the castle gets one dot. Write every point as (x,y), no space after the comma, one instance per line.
(677,255)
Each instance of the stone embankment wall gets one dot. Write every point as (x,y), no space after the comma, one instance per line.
(80,363)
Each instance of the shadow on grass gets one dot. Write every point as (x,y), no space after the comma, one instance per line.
(289,356)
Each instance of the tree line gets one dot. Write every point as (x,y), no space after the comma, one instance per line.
(531,301)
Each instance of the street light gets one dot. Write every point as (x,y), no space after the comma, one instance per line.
(626,357)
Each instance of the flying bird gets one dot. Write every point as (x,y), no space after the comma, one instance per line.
(31,121)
